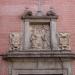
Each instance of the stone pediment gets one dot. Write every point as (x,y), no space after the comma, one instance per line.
(15,50)
(16,41)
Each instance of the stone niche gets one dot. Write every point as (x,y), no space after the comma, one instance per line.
(39,31)
(37,35)
(40,35)
(36,50)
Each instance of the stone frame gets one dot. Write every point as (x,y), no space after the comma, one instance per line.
(52,61)
(46,19)
(15,68)
(40,72)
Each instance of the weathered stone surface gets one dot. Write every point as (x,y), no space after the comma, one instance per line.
(15,41)
(40,66)
(40,39)
(64,43)
(38,46)
(40,53)
(40,36)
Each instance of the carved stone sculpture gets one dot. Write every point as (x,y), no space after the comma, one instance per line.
(40,37)
(15,41)
(26,13)
(64,41)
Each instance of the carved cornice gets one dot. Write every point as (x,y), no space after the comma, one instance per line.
(49,15)
(39,17)
(39,53)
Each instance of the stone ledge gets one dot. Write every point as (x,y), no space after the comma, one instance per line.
(39,17)
(40,54)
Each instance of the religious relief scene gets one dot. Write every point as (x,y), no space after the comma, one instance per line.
(37,37)
(40,36)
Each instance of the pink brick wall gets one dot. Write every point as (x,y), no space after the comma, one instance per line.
(11,10)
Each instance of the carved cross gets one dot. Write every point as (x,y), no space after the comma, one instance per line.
(39,11)
(39,5)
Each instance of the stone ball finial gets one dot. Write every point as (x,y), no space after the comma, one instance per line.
(27,12)
(51,12)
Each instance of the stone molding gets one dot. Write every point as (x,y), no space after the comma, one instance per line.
(49,14)
(40,72)
(40,53)
(57,66)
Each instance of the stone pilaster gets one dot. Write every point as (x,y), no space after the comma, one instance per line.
(54,42)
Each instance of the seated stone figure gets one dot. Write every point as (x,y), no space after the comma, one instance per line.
(40,37)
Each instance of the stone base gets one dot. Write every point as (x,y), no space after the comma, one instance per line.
(46,62)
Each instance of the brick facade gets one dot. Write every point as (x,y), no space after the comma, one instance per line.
(11,11)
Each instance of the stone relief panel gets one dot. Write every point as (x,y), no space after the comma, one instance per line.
(64,41)
(40,36)
(15,41)
(39,39)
